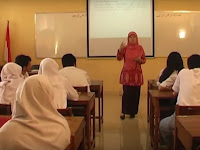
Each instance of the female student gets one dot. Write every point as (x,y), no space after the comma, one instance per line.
(167,79)
(35,123)
(11,76)
(169,74)
(63,90)
(131,75)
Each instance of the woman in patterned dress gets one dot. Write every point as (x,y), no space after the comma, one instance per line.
(131,75)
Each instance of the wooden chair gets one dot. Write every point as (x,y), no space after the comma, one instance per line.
(81,88)
(5,109)
(187,110)
(35,67)
(66,112)
(34,70)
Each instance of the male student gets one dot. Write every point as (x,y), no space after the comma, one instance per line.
(25,62)
(76,76)
(187,87)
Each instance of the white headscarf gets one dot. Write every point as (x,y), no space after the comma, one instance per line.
(35,124)
(62,87)
(11,78)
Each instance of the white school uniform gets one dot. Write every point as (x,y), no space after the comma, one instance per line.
(35,123)
(187,86)
(11,78)
(169,82)
(63,90)
(76,76)
(26,75)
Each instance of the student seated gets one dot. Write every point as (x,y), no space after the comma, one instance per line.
(76,76)
(25,62)
(35,123)
(11,78)
(187,87)
(169,74)
(63,90)
(166,81)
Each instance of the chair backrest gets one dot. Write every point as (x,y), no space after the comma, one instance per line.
(35,67)
(34,70)
(187,110)
(81,88)
(4,119)
(5,109)
(66,112)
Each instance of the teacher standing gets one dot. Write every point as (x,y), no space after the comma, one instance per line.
(131,75)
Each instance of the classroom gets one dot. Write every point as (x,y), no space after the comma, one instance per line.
(24,26)
(21,13)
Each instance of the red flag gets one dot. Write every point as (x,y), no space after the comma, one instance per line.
(7,52)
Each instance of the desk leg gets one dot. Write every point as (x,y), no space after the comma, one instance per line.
(148,105)
(93,114)
(88,128)
(157,120)
(82,144)
(99,100)
(151,121)
(176,140)
(102,104)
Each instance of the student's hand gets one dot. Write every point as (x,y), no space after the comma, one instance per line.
(122,45)
(138,60)
(175,93)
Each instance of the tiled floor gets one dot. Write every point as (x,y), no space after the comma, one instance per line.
(128,134)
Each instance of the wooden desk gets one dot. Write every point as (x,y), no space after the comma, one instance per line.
(155,96)
(77,128)
(187,131)
(151,85)
(97,87)
(87,100)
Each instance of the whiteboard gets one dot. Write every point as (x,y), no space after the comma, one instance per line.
(171,27)
(59,33)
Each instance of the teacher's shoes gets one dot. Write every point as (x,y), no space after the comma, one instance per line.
(122,116)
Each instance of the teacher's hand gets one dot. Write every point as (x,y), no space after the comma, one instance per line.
(138,60)
(122,45)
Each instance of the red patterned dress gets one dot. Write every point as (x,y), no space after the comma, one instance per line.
(131,72)
(131,75)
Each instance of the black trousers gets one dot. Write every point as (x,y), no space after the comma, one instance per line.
(130,99)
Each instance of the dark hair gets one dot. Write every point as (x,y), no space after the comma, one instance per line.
(193,61)
(22,60)
(174,62)
(68,60)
